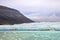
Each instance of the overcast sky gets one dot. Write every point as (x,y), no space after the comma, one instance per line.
(36,9)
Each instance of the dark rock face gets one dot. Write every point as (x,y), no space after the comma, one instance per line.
(12,16)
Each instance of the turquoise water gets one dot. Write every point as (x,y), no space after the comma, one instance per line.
(31,31)
(30,35)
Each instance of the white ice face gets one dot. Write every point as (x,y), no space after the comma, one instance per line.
(31,26)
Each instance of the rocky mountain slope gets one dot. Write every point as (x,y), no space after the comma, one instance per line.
(12,16)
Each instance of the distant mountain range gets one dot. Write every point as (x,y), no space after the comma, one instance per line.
(53,17)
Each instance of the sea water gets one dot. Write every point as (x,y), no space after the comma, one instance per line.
(30,35)
(31,31)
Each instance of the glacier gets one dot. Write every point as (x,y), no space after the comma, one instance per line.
(38,26)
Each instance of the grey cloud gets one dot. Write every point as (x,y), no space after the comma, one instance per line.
(45,8)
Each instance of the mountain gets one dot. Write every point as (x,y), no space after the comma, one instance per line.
(12,16)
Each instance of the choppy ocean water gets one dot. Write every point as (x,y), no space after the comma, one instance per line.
(30,35)
(31,31)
